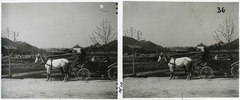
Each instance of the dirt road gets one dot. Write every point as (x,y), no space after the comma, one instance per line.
(162,87)
(39,88)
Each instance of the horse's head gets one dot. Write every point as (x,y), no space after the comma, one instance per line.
(38,59)
(162,57)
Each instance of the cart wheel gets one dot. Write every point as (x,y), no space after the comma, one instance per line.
(235,71)
(206,72)
(112,73)
(83,74)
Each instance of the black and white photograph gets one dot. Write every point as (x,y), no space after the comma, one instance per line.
(59,50)
(180,49)
(119,49)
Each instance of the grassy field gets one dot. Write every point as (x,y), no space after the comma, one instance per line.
(28,66)
(141,64)
(144,65)
(18,66)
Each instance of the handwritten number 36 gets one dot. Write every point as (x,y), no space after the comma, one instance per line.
(220,10)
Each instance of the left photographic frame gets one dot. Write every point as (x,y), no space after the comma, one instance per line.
(64,50)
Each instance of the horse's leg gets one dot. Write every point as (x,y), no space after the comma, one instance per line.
(190,70)
(173,75)
(185,73)
(187,76)
(170,76)
(50,75)
(188,73)
(47,75)
(66,76)
(67,70)
(62,76)
(171,72)
(64,71)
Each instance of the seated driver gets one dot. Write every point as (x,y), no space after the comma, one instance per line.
(204,57)
(82,57)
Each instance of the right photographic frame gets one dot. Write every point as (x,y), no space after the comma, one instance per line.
(180,49)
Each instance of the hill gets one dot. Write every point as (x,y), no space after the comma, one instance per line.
(22,47)
(129,41)
(146,46)
(97,47)
(150,46)
(223,46)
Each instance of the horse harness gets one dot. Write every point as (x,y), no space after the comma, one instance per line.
(174,64)
(51,66)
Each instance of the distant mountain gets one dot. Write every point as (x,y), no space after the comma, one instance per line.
(221,45)
(146,46)
(129,41)
(179,48)
(55,49)
(22,46)
(150,46)
(97,47)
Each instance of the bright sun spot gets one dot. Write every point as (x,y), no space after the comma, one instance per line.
(101,6)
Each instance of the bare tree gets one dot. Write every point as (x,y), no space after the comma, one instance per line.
(103,35)
(136,34)
(133,33)
(226,33)
(10,36)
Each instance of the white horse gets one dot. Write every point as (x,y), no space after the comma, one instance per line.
(62,64)
(182,62)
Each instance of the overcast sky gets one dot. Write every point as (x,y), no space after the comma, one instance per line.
(177,24)
(47,25)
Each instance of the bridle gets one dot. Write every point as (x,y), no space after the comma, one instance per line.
(164,57)
(39,57)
